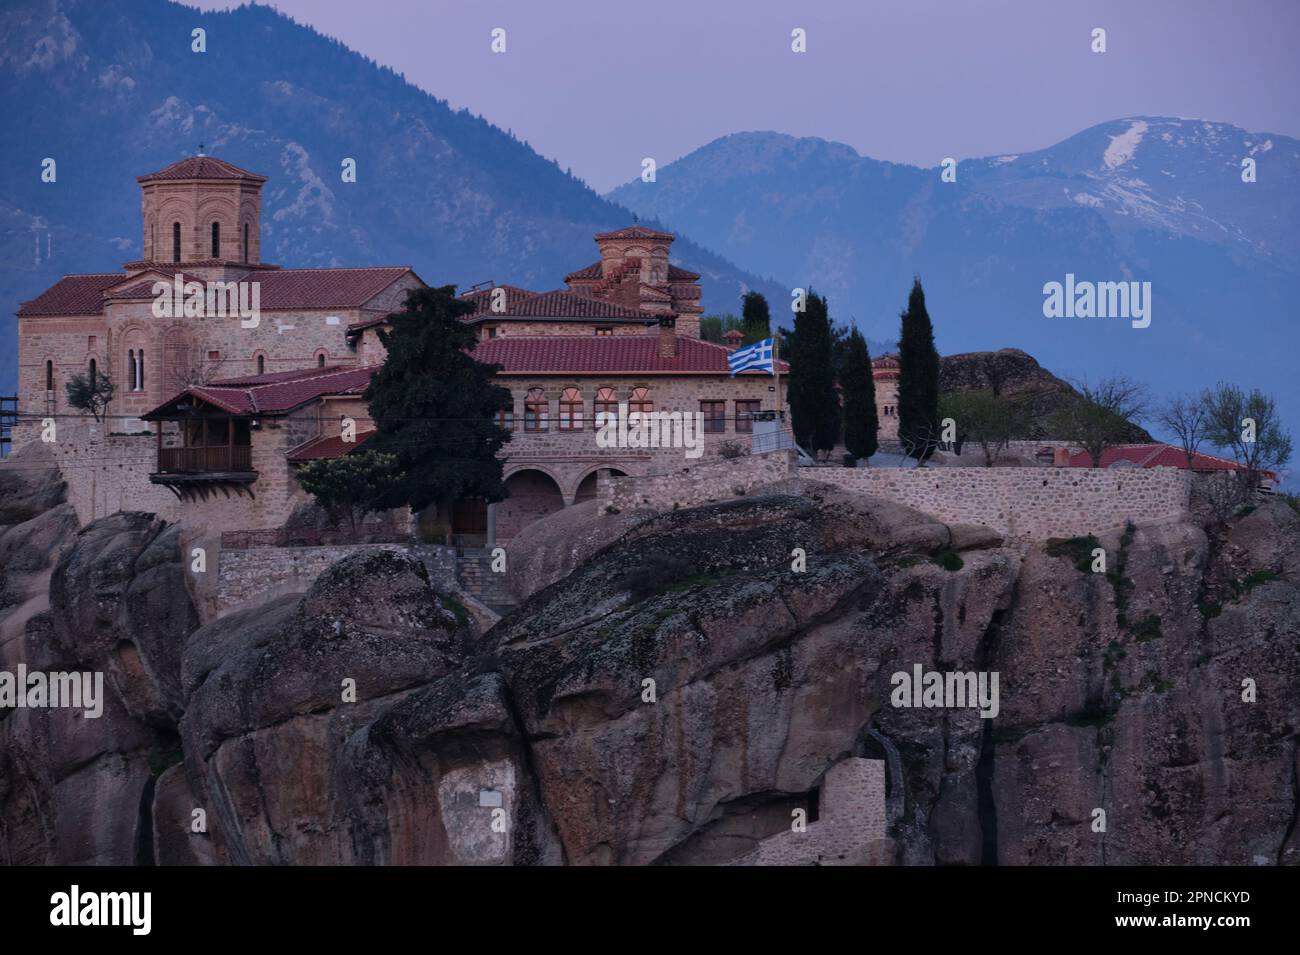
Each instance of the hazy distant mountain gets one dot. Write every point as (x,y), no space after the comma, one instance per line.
(111,90)
(1146,198)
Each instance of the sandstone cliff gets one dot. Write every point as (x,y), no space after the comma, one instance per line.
(366,720)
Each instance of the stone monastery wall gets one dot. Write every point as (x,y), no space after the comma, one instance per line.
(1026,502)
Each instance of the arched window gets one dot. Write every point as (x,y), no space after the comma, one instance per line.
(176,241)
(139,370)
(640,401)
(49,376)
(536,411)
(130,369)
(94,373)
(320,360)
(216,240)
(571,410)
(261,364)
(245,241)
(606,403)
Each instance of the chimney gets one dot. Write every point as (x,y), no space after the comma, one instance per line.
(667,336)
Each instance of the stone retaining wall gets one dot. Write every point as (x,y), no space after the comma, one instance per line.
(1033,503)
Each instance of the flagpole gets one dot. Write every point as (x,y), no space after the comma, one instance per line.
(776,369)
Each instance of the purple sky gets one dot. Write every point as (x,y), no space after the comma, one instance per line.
(598,85)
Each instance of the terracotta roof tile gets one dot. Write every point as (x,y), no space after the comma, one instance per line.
(634,232)
(608,354)
(201,167)
(557,304)
(1154,456)
(327,447)
(279,289)
(73,295)
(586,274)
(275,393)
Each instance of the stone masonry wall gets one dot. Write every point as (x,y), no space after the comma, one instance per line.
(850,828)
(701,484)
(1034,503)
(1026,502)
(261,572)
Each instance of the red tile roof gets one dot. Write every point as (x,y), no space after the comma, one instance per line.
(201,167)
(625,354)
(556,304)
(634,232)
(279,289)
(588,273)
(73,295)
(276,393)
(593,272)
(327,447)
(1153,456)
(326,288)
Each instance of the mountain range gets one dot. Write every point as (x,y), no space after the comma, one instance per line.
(111,90)
(1146,199)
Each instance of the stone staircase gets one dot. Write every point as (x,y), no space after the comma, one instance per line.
(474,573)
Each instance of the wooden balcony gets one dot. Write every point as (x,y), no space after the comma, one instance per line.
(202,471)
(222,460)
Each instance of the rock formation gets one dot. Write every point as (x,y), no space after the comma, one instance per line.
(367,721)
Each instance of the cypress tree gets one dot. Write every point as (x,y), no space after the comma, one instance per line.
(814,406)
(918,379)
(861,425)
(435,407)
(756,320)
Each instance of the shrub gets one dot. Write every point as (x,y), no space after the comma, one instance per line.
(949,560)
(730,450)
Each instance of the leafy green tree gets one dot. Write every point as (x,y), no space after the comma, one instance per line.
(435,408)
(861,425)
(91,392)
(989,420)
(756,319)
(1249,426)
(1100,416)
(814,406)
(713,327)
(918,379)
(350,487)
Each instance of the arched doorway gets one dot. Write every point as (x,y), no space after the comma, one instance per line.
(530,495)
(587,489)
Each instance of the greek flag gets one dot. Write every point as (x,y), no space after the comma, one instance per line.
(757,355)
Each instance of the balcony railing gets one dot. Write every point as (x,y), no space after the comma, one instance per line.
(220,459)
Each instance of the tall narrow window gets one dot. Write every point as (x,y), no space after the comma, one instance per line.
(744,412)
(320,360)
(245,241)
(176,241)
(261,364)
(216,240)
(130,369)
(606,403)
(640,401)
(571,410)
(139,370)
(536,411)
(506,419)
(715,416)
(93,373)
(49,376)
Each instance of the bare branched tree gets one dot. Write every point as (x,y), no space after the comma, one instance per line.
(1186,417)
(1100,415)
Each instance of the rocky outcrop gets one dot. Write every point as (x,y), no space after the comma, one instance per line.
(696,679)
(1015,374)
